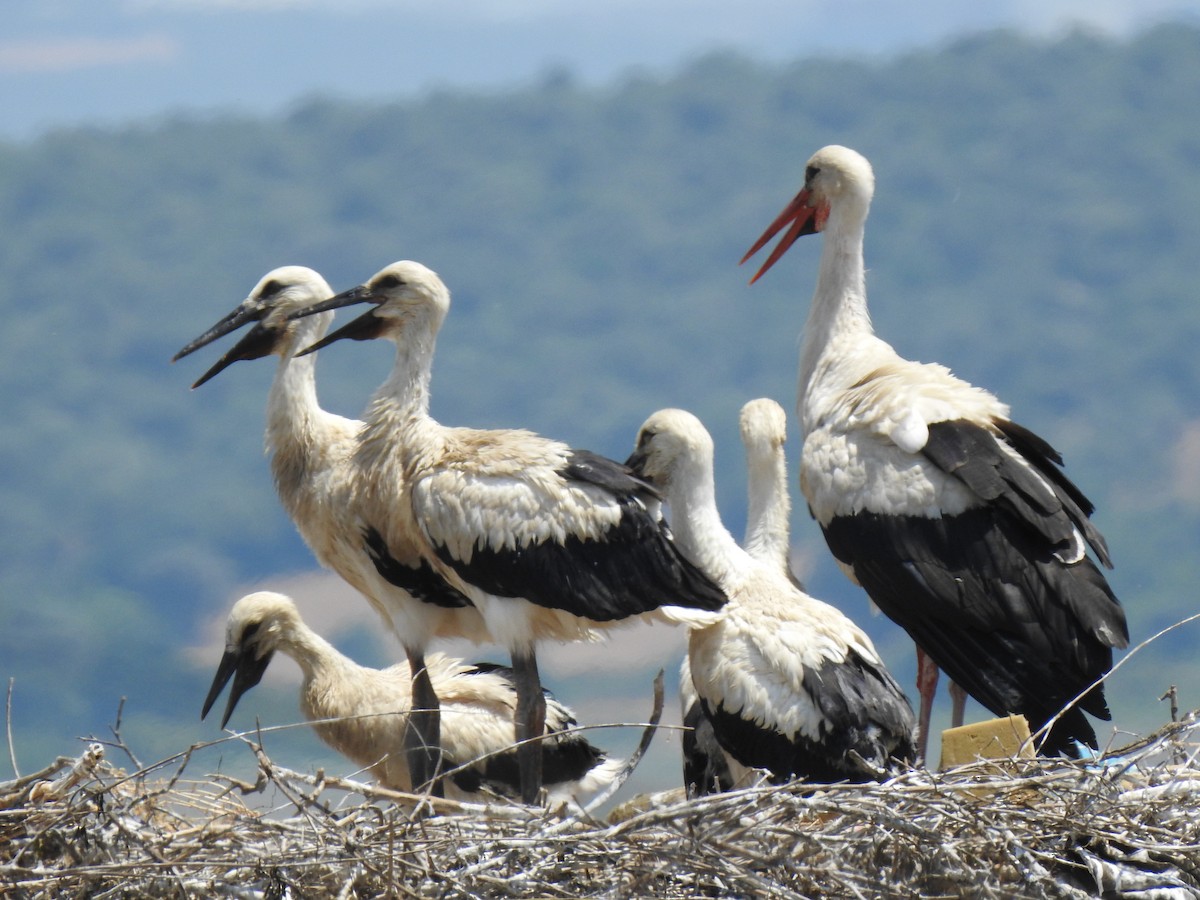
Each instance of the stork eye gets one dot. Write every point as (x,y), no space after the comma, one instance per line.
(809,174)
(387,282)
(249,632)
(270,289)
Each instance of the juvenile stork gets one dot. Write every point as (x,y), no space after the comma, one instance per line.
(959,523)
(363,713)
(789,684)
(763,426)
(547,542)
(311,452)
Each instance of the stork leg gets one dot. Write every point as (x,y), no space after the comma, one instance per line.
(927,679)
(529,722)
(958,701)
(423,736)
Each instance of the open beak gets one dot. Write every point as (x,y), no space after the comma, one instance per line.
(366,327)
(258,342)
(804,217)
(246,670)
(245,312)
(360,294)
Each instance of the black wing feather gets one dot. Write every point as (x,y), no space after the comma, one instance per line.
(634,568)
(422,582)
(985,596)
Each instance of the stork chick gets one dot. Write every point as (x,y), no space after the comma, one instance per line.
(789,683)
(363,713)
(311,452)
(548,542)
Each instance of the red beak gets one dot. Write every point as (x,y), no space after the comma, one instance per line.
(805,219)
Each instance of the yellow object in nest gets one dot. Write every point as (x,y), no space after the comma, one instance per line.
(994,739)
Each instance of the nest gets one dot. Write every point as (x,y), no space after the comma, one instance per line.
(1122,824)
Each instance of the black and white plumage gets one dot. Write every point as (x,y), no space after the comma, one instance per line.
(311,453)
(959,523)
(363,713)
(763,427)
(547,542)
(788,683)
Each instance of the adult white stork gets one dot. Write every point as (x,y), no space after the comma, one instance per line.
(311,454)
(763,426)
(959,523)
(547,541)
(789,683)
(363,713)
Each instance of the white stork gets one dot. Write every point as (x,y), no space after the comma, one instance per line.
(363,713)
(763,426)
(789,683)
(959,523)
(548,542)
(311,454)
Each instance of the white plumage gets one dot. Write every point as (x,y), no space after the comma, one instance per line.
(363,713)
(311,452)
(548,542)
(763,427)
(958,522)
(788,682)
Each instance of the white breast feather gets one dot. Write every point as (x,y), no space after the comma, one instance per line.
(862,452)
(757,659)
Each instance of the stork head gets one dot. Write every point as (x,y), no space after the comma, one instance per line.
(837,181)
(763,425)
(270,305)
(673,450)
(406,295)
(256,625)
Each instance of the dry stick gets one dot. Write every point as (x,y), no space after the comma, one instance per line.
(636,757)
(12,750)
(1045,729)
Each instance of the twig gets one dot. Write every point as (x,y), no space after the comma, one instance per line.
(636,756)
(1045,729)
(12,750)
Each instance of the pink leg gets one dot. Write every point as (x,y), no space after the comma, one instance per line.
(958,701)
(927,679)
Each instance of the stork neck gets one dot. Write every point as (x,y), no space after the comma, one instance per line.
(312,653)
(769,508)
(697,525)
(839,307)
(400,407)
(293,410)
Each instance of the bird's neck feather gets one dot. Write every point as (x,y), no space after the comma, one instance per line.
(697,525)
(769,508)
(838,317)
(310,651)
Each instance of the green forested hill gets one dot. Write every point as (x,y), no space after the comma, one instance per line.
(1035,228)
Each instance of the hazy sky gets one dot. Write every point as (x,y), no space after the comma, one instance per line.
(64,62)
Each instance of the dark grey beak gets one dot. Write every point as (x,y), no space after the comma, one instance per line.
(366,327)
(258,342)
(246,670)
(240,316)
(360,294)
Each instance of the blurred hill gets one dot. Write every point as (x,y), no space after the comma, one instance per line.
(1034,228)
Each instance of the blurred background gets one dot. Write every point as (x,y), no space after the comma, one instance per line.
(585,180)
